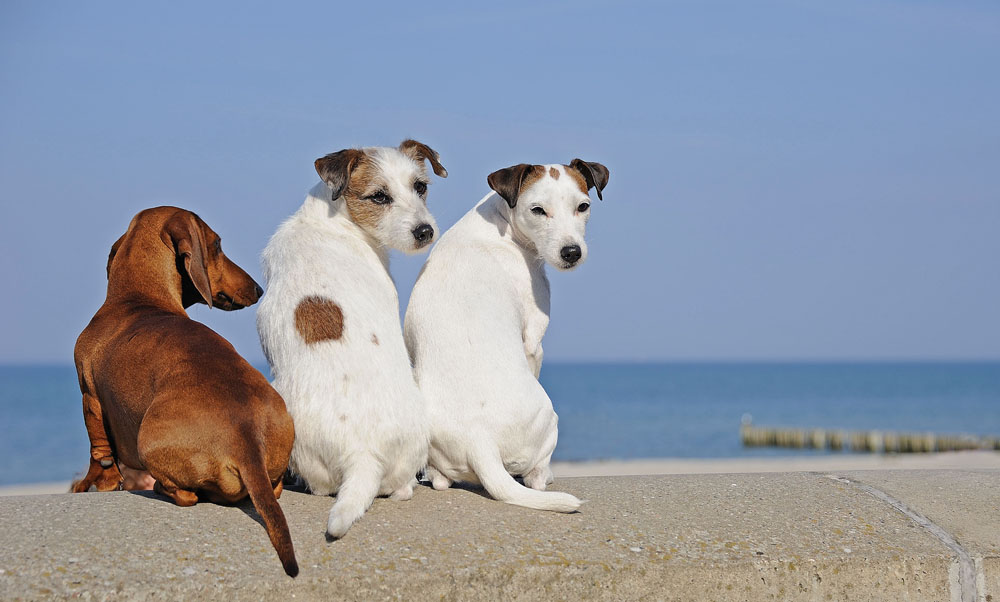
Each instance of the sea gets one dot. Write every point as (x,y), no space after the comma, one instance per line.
(606,410)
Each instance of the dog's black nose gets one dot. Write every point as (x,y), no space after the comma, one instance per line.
(571,254)
(423,233)
(258,290)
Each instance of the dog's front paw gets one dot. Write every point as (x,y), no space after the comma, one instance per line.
(100,477)
(338,525)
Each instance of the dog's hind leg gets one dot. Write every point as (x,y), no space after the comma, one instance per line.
(356,494)
(403,493)
(438,480)
(103,470)
(540,476)
(181,497)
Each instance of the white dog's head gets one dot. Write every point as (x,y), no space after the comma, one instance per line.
(550,206)
(385,191)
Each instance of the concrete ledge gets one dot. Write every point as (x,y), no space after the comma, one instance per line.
(686,537)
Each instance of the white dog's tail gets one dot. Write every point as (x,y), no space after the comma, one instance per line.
(355,496)
(485,461)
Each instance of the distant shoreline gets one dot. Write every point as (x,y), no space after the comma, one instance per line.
(965,460)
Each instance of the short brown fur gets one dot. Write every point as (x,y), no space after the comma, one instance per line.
(319,319)
(536,173)
(363,183)
(166,394)
(577,178)
(554,173)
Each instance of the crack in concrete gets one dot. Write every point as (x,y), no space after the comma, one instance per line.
(967,586)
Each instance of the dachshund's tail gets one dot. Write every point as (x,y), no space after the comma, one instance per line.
(254,475)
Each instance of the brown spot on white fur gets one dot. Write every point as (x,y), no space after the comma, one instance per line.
(554,173)
(319,319)
(536,173)
(374,339)
(577,178)
(364,181)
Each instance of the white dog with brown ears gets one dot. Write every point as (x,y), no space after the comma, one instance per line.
(329,326)
(474,329)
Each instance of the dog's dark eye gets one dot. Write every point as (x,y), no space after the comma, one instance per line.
(380,198)
(218,246)
(420,187)
(583,207)
(538,211)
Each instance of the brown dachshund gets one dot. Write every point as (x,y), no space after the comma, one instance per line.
(166,394)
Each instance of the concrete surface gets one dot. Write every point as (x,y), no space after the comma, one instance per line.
(859,536)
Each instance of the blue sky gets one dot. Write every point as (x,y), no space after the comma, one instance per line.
(789,180)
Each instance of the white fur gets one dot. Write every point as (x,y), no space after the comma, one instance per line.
(360,421)
(562,225)
(408,209)
(474,329)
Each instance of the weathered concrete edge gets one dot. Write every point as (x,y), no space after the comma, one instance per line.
(966,575)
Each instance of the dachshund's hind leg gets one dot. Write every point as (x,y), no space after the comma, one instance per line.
(103,472)
(182,497)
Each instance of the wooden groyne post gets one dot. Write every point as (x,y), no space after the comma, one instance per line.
(889,442)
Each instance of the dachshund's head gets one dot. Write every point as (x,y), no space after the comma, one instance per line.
(176,242)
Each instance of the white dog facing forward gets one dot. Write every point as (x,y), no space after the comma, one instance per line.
(329,326)
(474,329)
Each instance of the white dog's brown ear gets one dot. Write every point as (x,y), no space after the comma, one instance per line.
(183,233)
(595,174)
(420,151)
(335,169)
(507,182)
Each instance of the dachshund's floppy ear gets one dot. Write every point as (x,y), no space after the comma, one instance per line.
(114,251)
(335,169)
(595,174)
(507,181)
(183,233)
(420,151)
